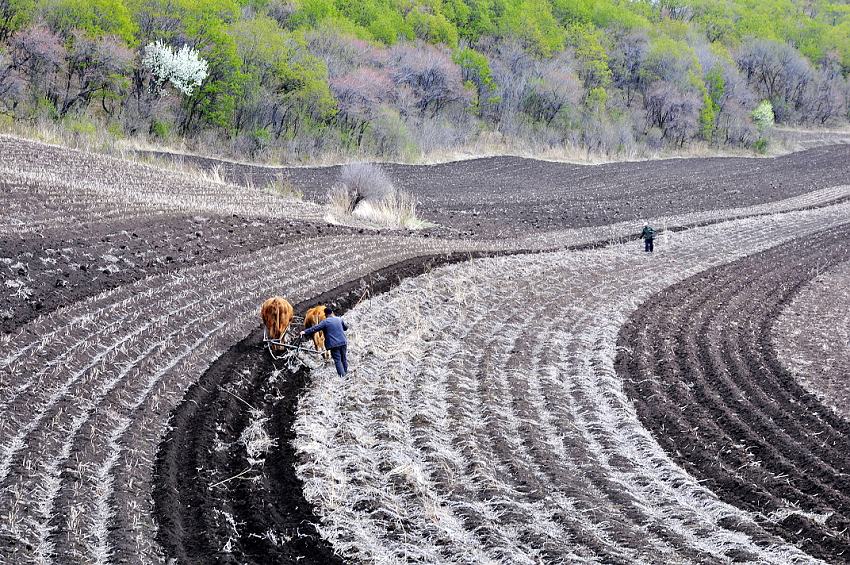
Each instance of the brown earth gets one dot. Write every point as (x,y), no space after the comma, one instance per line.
(698,362)
(63,266)
(812,337)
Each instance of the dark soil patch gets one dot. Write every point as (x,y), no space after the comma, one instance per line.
(57,269)
(203,449)
(698,362)
(504,196)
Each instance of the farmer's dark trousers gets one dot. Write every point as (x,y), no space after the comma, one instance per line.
(340,359)
(647,245)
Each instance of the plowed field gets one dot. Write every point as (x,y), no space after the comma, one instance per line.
(511,196)
(543,392)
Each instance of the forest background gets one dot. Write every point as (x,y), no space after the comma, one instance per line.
(309,80)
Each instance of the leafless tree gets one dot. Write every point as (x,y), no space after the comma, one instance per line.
(674,111)
(826,97)
(343,54)
(360,95)
(281,11)
(38,56)
(95,67)
(432,75)
(554,89)
(11,84)
(626,60)
(778,73)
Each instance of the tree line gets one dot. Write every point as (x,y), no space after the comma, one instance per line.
(297,79)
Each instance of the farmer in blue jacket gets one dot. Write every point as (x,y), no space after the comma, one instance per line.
(647,235)
(335,341)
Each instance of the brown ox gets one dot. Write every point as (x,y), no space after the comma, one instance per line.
(314,316)
(276,313)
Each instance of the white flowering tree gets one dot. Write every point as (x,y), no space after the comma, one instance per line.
(183,68)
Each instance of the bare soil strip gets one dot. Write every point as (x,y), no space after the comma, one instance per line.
(90,373)
(47,187)
(486,422)
(698,363)
(812,337)
(512,196)
(53,271)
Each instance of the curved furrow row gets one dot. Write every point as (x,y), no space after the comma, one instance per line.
(812,337)
(495,429)
(81,424)
(699,365)
(85,392)
(510,414)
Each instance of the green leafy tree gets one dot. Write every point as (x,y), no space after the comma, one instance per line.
(14,14)
(94,17)
(433,28)
(532,22)
(587,42)
(763,115)
(475,69)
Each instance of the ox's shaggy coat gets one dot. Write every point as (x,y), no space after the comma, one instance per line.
(316,315)
(276,313)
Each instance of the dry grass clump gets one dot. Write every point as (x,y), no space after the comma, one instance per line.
(256,440)
(365,191)
(282,186)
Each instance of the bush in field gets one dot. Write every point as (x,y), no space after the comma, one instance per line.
(365,191)
(183,68)
(359,182)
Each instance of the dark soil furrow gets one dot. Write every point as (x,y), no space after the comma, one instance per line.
(698,363)
(273,523)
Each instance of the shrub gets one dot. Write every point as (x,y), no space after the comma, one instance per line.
(80,126)
(365,191)
(160,130)
(396,210)
(359,182)
(389,136)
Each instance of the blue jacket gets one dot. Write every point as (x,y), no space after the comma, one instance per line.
(334,328)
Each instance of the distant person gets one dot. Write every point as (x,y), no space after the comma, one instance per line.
(647,235)
(335,341)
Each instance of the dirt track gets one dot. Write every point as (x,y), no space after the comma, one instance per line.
(699,365)
(508,196)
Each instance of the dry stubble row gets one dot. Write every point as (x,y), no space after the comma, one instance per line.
(87,390)
(495,429)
